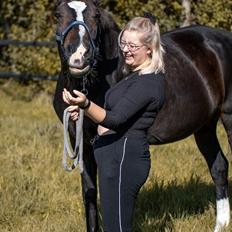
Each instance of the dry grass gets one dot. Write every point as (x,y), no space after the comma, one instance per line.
(36,194)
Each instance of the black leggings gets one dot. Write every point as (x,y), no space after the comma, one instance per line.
(123,166)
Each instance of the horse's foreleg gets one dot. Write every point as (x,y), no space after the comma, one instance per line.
(220,176)
(208,144)
(89,189)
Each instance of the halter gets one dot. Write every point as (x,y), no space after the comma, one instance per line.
(60,37)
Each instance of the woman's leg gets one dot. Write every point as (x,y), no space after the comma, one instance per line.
(134,173)
(123,167)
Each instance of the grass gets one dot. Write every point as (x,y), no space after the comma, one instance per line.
(37,195)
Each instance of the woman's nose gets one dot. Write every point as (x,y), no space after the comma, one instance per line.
(125,49)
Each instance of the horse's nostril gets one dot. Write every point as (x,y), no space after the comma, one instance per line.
(77,61)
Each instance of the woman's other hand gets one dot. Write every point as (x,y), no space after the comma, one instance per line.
(74,112)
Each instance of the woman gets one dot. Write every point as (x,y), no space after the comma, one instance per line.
(121,149)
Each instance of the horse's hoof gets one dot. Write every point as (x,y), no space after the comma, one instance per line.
(223,214)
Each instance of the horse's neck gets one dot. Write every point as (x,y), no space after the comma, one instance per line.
(109,48)
(72,83)
(109,35)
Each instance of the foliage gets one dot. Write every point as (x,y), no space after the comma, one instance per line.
(208,12)
(168,12)
(213,13)
(29,20)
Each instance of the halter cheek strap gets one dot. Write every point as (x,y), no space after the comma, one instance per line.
(60,37)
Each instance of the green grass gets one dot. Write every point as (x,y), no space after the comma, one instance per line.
(37,195)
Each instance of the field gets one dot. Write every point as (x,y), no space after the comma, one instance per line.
(37,195)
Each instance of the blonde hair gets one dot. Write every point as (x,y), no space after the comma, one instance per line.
(150,38)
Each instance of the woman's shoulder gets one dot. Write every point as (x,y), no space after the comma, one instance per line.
(156,76)
(152,84)
(152,79)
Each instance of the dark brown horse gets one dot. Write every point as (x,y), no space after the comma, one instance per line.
(199,89)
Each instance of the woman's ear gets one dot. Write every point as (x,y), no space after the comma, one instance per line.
(149,51)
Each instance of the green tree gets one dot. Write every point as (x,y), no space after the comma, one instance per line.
(168,12)
(213,13)
(28,20)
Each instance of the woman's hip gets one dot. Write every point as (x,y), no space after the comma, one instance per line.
(112,148)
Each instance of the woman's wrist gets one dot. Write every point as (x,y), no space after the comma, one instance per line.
(85,105)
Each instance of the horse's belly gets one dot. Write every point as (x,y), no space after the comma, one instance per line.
(177,121)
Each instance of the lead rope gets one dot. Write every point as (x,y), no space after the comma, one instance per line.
(77,154)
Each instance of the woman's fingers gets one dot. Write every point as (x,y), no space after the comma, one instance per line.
(81,97)
(73,114)
(65,98)
(78,93)
(75,118)
(69,99)
(73,108)
(73,100)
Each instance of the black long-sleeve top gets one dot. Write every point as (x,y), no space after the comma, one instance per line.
(133,103)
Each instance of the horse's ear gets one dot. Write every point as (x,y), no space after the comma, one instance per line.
(59,2)
(97,2)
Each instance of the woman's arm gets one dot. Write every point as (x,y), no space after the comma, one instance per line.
(137,97)
(93,111)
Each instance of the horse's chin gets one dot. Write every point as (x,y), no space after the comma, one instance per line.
(78,72)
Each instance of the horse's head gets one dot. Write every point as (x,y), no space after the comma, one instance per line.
(77,33)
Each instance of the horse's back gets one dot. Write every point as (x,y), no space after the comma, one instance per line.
(198,76)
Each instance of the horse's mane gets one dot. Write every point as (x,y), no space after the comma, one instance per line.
(110,31)
(109,41)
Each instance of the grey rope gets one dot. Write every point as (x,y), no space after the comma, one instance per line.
(77,154)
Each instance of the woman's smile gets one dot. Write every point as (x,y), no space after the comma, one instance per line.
(134,51)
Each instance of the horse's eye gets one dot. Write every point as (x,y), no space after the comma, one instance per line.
(69,48)
(57,15)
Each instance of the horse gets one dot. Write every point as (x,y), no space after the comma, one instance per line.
(198,89)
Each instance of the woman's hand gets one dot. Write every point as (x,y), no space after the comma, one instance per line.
(80,100)
(74,112)
(93,111)
(74,102)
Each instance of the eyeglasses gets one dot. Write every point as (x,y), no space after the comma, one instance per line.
(131,47)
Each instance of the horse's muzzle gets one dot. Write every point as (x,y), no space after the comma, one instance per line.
(76,72)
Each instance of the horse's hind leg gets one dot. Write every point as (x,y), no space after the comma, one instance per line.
(89,189)
(227,122)
(208,144)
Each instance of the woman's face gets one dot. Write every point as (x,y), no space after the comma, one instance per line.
(134,51)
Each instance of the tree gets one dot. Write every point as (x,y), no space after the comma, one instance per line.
(28,20)
(213,13)
(186,12)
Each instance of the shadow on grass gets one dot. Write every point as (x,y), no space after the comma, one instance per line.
(156,208)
